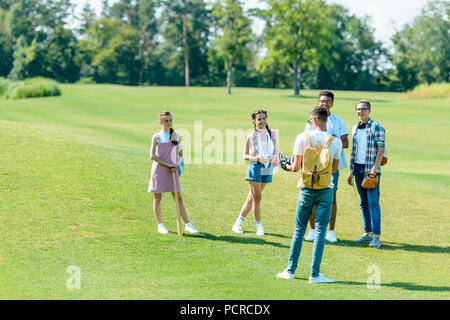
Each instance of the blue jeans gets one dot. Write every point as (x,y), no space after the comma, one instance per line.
(369,202)
(323,199)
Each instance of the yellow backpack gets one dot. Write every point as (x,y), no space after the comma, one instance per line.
(317,165)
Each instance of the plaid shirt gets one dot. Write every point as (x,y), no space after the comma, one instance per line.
(374,140)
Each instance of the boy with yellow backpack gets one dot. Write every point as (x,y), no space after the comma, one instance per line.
(317,153)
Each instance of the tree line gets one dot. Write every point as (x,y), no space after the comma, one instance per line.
(304,44)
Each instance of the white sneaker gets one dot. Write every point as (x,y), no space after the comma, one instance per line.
(237,229)
(190,228)
(285,275)
(260,231)
(320,279)
(310,236)
(331,236)
(162,229)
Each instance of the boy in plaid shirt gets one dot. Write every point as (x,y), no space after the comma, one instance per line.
(367,153)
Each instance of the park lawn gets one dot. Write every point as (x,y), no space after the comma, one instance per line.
(74,174)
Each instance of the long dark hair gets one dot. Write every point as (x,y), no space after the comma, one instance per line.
(167,113)
(254,114)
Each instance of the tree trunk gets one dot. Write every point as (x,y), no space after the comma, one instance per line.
(142,59)
(186,49)
(230,66)
(296,80)
(297,76)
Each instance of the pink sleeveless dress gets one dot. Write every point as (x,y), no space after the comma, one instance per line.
(161,177)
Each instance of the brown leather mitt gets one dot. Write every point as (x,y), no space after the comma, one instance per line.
(370,181)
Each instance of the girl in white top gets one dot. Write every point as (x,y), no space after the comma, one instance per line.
(261,151)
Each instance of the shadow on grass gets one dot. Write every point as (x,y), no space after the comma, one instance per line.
(239,239)
(278,235)
(395,246)
(401,285)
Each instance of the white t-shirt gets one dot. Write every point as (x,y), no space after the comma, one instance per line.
(361,145)
(318,138)
(336,127)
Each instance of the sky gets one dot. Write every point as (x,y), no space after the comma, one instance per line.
(387,15)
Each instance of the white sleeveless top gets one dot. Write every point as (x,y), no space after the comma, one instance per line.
(263,148)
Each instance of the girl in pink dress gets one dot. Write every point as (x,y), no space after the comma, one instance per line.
(167,157)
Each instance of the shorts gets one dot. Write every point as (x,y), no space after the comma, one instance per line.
(335,180)
(257,172)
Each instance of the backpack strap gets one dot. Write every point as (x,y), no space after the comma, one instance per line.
(328,142)
(307,139)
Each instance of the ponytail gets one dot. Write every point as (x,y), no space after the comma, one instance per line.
(175,142)
(270,132)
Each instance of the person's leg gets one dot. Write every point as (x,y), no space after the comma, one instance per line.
(324,201)
(302,215)
(157,197)
(247,206)
(334,206)
(364,203)
(255,188)
(373,197)
(333,211)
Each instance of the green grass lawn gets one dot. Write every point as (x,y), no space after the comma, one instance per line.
(74,174)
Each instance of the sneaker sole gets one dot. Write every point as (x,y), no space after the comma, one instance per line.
(363,241)
(281,277)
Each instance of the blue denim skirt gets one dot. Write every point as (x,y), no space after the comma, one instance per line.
(259,173)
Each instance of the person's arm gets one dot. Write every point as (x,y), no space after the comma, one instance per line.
(335,165)
(352,159)
(180,156)
(344,140)
(247,155)
(295,167)
(155,158)
(380,144)
(380,153)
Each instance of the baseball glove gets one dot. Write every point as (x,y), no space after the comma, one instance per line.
(285,161)
(370,181)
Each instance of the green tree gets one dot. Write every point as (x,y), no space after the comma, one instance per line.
(86,19)
(185,30)
(233,34)
(112,45)
(141,16)
(59,60)
(422,50)
(6,44)
(297,33)
(357,59)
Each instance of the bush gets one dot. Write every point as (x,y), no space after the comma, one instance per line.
(430,91)
(85,80)
(32,88)
(4,84)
